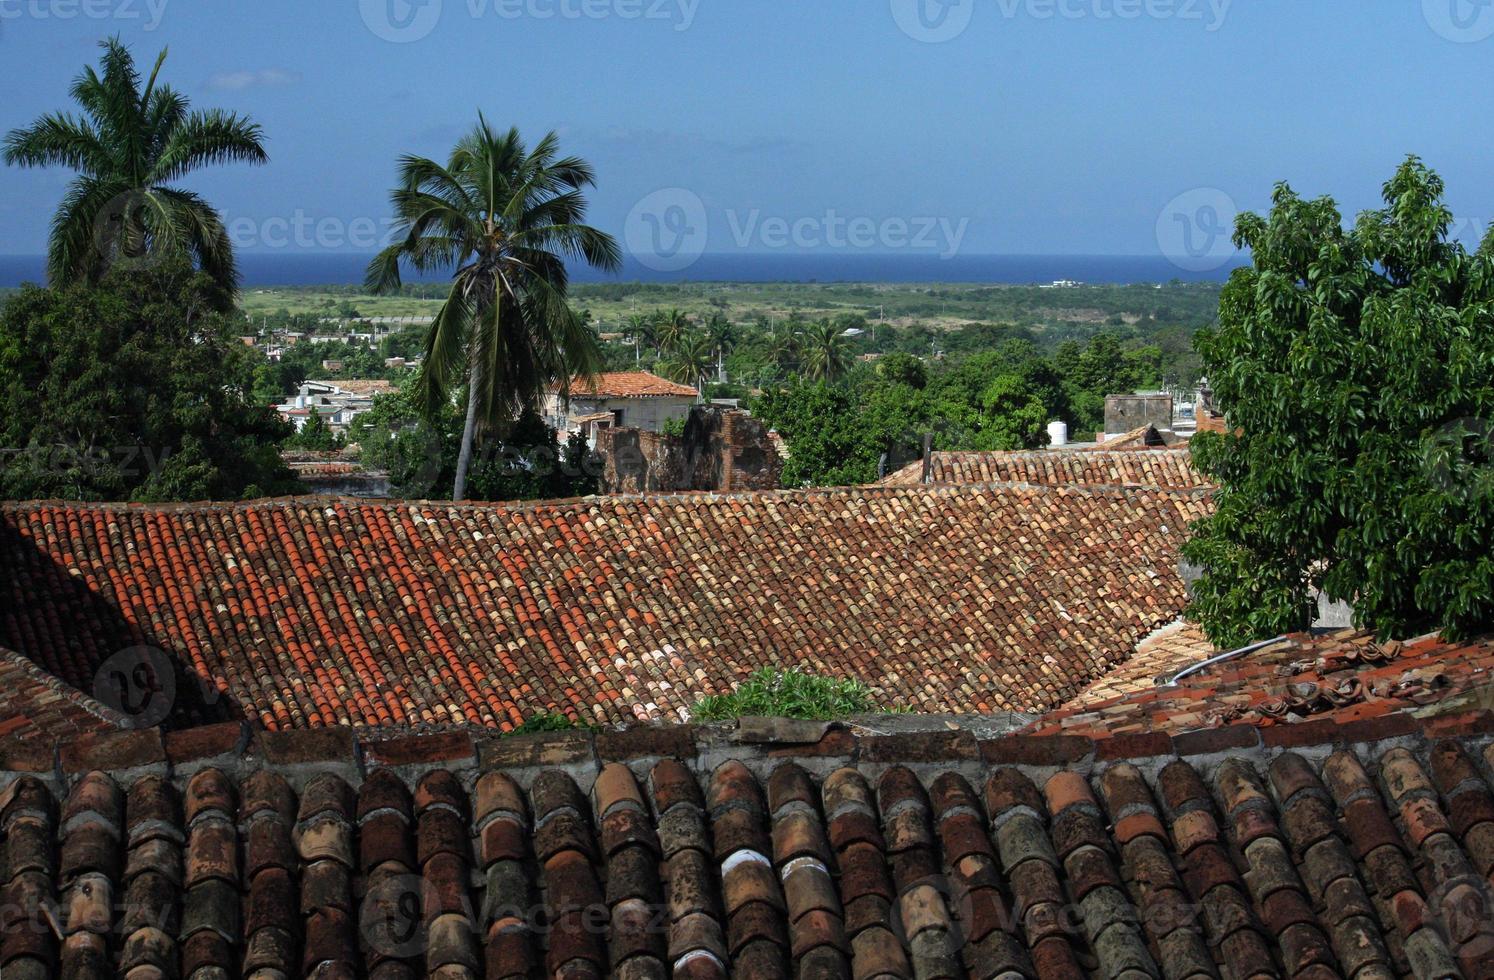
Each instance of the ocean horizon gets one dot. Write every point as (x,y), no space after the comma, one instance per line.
(265,269)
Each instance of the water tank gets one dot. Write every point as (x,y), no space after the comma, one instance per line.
(1058,434)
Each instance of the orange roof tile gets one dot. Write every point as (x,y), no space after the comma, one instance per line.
(1339,678)
(306,613)
(1171,468)
(630,384)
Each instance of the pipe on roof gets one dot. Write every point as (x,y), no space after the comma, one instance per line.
(1187,672)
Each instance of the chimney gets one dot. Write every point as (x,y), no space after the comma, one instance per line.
(928,456)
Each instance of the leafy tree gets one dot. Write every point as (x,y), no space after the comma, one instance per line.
(135,389)
(903,369)
(826,441)
(1357,371)
(315,435)
(130,147)
(1015,415)
(506,218)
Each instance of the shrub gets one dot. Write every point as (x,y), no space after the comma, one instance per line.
(788,694)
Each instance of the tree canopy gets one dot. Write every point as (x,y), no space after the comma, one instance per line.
(1356,368)
(136,389)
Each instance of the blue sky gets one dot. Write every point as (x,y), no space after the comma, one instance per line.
(1041,126)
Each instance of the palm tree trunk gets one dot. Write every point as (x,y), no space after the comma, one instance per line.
(469,432)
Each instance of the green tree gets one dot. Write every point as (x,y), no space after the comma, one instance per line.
(1357,371)
(316,435)
(670,329)
(135,389)
(1015,415)
(827,353)
(690,361)
(506,218)
(130,147)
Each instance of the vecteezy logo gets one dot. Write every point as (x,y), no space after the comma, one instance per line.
(1196,230)
(140,683)
(122,234)
(1461,21)
(401,21)
(667,231)
(933,21)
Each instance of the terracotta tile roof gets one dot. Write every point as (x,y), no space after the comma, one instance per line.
(630,384)
(365,388)
(35,704)
(1165,653)
(1330,680)
(307,613)
(279,857)
(1171,468)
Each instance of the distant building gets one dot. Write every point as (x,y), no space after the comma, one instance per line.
(1124,414)
(624,399)
(338,402)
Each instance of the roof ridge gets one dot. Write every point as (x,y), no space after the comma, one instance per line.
(787,493)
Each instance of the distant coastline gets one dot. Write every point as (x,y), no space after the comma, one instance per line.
(323,268)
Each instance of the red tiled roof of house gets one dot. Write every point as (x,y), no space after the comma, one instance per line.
(809,854)
(309,613)
(630,384)
(1331,680)
(36,705)
(1172,468)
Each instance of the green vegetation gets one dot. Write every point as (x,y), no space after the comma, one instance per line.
(315,436)
(788,694)
(542,724)
(998,399)
(122,210)
(1358,368)
(507,219)
(419,450)
(132,390)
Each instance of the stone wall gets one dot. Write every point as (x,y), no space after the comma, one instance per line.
(1127,413)
(721,450)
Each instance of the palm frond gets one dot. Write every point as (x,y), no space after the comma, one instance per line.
(208,138)
(58,140)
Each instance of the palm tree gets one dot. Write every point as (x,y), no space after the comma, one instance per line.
(639,329)
(129,147)
(505,218)
(787,352)
(671,329)
(827,356)
(690,361)
(723,338)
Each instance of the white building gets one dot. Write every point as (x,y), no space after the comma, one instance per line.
(338,402)
(624,399)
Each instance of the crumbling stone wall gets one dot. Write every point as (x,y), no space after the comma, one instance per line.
(721,450)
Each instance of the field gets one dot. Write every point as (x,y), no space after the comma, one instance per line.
(931,305)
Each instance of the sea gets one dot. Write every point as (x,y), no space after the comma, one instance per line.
(262,269)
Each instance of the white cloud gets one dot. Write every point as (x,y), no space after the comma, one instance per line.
(237,81)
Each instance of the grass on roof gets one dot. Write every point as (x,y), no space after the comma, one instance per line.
(773,693)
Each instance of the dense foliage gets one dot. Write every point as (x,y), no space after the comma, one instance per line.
(132,390)
(1357,370)
(772,693)
(1000,399)
(419,451)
